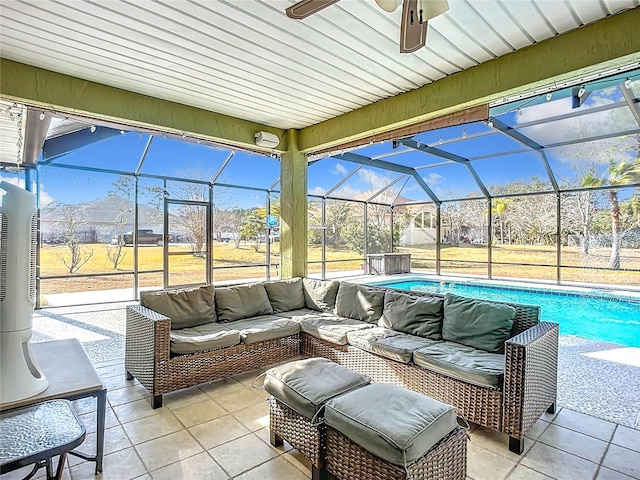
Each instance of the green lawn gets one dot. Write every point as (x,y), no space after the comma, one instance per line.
(189,268)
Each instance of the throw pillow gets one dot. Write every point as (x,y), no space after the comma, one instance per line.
(320,294)
(406,313)
(477,323)
(285,295)
(359,302)
(242,301)
(185,307)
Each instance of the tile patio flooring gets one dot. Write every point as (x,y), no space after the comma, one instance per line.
(218,431)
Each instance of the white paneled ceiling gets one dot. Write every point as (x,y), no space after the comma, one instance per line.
(12,128)
(246,59)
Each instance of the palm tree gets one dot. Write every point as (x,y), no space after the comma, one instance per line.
(499,208)
(619,174)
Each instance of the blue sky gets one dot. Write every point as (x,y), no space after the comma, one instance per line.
(177,158)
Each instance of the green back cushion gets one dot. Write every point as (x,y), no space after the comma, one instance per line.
(406,313)
(242,301)
(285,295)
(320,294)
(186,307)
(477,323)
(359,302)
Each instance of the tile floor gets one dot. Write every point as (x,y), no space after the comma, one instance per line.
(218,431)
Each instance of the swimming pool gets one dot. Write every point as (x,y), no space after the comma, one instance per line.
(604,317)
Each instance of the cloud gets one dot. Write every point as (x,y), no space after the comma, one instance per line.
(589,124)
(317,191)
(347,192)
(45,198)
(372,180)
(433,179)
(339,169)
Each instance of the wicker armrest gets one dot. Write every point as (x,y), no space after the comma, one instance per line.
(531,377)
(146,344)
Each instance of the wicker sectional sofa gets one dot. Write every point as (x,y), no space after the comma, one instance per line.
(495,362)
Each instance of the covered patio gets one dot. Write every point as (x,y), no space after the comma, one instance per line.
(511,112)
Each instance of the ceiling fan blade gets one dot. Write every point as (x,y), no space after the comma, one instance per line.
(305,8)
(413,34)
(432,8)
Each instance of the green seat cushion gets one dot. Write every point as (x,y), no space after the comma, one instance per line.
(242,301)
(332,328)
(305,385)
(285,295)
(187,307)
(320,294)
(465,363)
(263,328)
(301,314)
(412,314)
(359,302)
(210,336)
(393,423)
(387,343)
(477,323)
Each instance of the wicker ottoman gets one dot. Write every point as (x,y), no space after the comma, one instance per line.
(298,391)
(385,432)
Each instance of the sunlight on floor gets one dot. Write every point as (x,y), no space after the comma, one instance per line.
(59,330)
(627,355)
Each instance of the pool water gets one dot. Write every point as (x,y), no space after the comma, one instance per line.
(598,317)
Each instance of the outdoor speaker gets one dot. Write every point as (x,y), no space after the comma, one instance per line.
(266,139)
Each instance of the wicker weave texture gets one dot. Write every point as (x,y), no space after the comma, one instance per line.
(147,355)
(296,429)
(477,404)
(347,460)
(144,327)
(531,379)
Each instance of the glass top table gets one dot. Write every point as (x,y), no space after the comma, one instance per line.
(36,433)
(71,376)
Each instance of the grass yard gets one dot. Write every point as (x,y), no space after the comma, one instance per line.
(191,269)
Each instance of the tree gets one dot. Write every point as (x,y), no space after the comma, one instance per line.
(338,214)
(451,219)
(124,186)
(618,174)
(77,256)
(253,227)
(499,208)
(115,252)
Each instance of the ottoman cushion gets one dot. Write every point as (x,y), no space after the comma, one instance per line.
(391,422)
(305,385)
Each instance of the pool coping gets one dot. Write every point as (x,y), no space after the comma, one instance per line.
(601,291)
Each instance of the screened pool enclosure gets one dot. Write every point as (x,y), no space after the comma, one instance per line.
(546,189)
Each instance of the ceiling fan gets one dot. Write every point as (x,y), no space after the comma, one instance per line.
(413,24)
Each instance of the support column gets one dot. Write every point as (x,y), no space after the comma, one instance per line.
(293,210)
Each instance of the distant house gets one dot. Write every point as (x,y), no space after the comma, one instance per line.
(421,229)
(96,221)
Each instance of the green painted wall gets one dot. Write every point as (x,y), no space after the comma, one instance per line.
(293,210)
(609,43)
(63,93)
